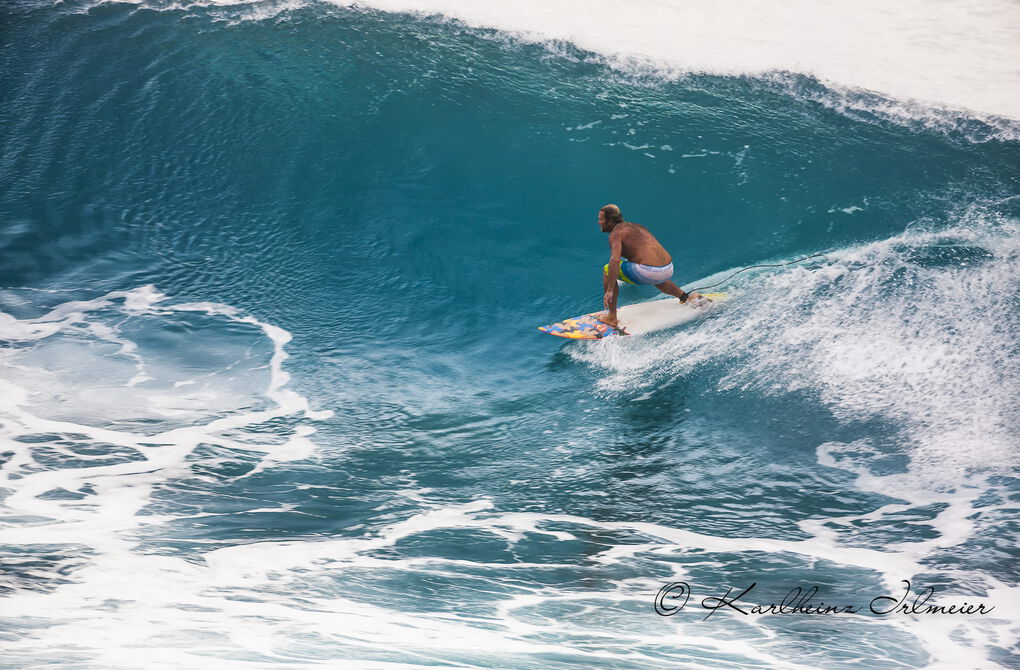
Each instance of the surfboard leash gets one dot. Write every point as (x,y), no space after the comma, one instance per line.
(751,267)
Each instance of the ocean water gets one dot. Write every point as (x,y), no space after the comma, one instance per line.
(271,393)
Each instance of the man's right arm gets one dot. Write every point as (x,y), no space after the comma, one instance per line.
(615,259)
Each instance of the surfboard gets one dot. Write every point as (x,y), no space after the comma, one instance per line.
(636,319)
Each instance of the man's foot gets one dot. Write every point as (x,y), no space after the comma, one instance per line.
(608,320)
(695,299)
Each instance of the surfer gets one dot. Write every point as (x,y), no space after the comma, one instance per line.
(648,263)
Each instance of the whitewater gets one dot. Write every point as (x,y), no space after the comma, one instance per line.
(271,393)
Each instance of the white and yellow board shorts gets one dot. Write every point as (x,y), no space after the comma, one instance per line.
(642,275)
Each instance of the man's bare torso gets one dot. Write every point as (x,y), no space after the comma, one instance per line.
(640,246)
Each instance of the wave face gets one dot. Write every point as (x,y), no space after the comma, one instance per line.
(270,388)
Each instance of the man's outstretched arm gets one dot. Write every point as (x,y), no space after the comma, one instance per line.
(611,288)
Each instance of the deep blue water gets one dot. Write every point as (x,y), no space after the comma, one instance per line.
(368,214)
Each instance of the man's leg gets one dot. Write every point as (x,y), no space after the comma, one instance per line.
(669,288)
(607,282)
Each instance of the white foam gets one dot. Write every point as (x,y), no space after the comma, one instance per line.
(917,331)
(76,383)
(964,55)
(519,611)
(875,334)
(77,390)
(906,62)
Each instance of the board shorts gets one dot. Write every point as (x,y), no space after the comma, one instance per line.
(642,275)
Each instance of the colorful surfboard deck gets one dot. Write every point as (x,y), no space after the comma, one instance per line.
(636,319)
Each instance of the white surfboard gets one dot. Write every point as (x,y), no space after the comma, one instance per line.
(635,319)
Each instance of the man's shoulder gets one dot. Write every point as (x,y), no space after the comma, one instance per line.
(627,227)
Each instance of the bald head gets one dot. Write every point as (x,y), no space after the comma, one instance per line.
(612,214)
(609,217)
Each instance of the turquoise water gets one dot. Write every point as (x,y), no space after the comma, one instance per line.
(272,394)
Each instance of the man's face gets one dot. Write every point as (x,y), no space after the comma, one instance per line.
(602,221)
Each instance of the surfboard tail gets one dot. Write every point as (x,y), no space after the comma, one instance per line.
(586,327)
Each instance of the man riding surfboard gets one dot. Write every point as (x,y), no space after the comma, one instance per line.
(648,263)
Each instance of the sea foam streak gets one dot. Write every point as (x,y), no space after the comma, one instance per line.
(96,414)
